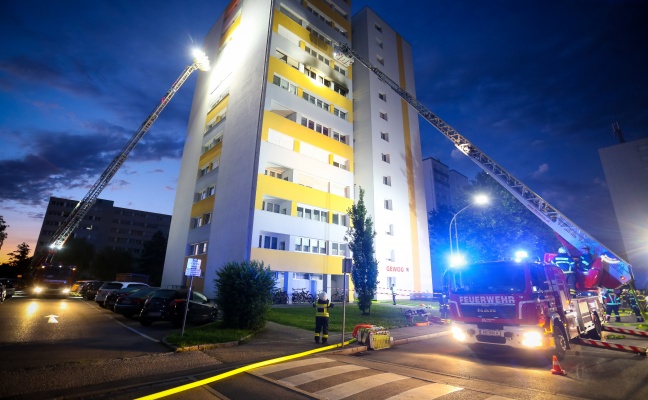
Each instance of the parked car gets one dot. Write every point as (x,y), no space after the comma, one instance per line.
(109,287)
(90,289)
(76,287)
(112,297)
(170,304)
(9,287)
(132,304)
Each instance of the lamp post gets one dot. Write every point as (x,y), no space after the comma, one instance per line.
(479,199)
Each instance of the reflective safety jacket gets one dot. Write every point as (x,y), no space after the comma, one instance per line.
(612,299)
(322,308)
(564,261)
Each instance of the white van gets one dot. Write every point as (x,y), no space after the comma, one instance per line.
(110,287)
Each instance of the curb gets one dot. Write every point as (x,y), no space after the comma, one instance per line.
(394,343)
(206,346)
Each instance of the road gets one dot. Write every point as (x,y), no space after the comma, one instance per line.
(93,353)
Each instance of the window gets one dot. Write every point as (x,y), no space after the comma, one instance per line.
(340,219)
(384,136)
(290,15)
(378,28)
(270,206)
(273,173)
(319,36)
(391,255)
(338,249)
(288,60)
(385,158)
(196,222)
(383,115)
(379,43)
(340,69)
(387,180)
(268,242)
(380,60)
(340,113)
(388,205)
(390,230)
(207,219)
(316,126)
(284,84)
(314,100)
(340,137)
(382,96)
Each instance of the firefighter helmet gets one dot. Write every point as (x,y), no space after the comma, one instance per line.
(322,296)
(562,250)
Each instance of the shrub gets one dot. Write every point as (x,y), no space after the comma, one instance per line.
(244,294)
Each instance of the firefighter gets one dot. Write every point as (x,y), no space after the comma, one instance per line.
(612,303)
(566,264)
(632,300)
(322,317)
(586,258)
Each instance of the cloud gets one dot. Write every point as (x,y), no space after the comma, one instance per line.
(542,169)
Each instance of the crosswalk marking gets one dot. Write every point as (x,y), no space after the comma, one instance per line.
(431,391)
(306,377)
(359,385)
(293,364)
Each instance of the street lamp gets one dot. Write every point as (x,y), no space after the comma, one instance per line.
(479,199)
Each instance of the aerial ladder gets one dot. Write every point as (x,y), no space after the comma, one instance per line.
(72,222)
(618,271)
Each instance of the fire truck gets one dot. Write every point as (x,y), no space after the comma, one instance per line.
(521,304)
(53,281)
(527,305)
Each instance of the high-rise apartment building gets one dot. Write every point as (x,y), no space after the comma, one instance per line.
(626,173)
(105,226)
(443,186)
(272,163)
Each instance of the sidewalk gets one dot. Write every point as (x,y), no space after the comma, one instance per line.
(280,340)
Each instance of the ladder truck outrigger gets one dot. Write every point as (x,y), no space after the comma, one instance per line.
(523,304)
(41,264)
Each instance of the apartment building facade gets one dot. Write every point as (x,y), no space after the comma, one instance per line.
(626,172)
(104,226)
(269,164)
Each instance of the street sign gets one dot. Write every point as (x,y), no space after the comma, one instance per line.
(193,267)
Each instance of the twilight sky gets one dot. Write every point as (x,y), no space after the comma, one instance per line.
(536,85)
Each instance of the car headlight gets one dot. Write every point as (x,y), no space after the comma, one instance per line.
(532,339)
(458,334)
(38,289)
(66,290)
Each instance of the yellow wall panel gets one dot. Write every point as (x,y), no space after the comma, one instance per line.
(326,9)
(280,260)
(203,206)
(219,107)
(308,84)
(211,154)
(267,185)
(303,134)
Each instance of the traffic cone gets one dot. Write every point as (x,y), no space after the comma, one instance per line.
(555,367)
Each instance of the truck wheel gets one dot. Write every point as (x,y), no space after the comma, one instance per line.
(560,344)
(597,331)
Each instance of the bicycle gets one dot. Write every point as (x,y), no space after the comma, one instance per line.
(279,297)
(302,296)
(338,297)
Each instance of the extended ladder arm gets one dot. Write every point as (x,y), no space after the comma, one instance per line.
(541,208)
(76,216)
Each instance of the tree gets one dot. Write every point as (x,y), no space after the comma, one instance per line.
(152,261)
(19,258)
(3,228)
(495,231)
(361,243)
(78,252)
(109,262)
(244,294)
